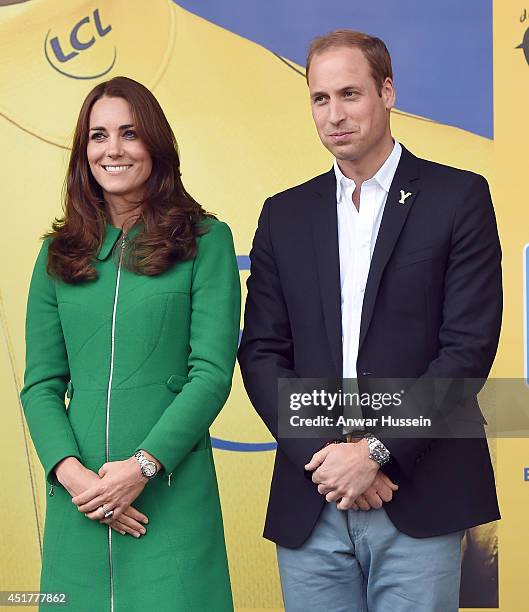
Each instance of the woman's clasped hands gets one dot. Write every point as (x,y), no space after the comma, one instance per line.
(114,489)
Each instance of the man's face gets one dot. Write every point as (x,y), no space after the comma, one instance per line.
(350,114)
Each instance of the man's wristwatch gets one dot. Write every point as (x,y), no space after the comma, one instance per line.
(148,467)
(377,451)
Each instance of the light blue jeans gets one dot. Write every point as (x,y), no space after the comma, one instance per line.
(358,561)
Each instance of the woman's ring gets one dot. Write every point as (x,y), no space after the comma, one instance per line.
(107,513)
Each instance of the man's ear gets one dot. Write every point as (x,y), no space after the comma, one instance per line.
(387,93)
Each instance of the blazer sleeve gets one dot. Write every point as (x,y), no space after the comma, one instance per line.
(214,333)
(47,372)
(472,313)
(266,349)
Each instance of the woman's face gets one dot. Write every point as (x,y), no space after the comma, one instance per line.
(118,158)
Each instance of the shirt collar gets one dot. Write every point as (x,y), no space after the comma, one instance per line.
(383,176)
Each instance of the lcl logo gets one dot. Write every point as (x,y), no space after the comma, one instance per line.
(84,34)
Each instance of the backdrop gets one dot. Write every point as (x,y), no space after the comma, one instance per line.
(230,78)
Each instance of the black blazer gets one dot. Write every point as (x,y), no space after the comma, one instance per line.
(432,307)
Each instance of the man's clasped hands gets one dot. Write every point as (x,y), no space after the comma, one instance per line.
(345,474)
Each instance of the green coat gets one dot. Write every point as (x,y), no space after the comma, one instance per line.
(160,376)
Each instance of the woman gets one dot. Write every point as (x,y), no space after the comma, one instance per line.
(133,310)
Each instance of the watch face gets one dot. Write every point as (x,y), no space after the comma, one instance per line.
(149,469)
(379,455)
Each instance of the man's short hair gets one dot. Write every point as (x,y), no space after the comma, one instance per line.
(373,48)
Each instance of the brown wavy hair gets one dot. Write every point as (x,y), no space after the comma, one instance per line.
(171,218)
(373,48)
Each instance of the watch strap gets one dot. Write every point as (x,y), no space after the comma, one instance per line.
(145,464)
(377,451)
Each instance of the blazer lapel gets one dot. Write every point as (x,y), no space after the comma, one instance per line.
(402,194)
(325,235)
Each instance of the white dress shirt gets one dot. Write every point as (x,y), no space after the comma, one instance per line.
(357,235)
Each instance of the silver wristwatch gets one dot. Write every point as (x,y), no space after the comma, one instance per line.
(148,467)
(377,451)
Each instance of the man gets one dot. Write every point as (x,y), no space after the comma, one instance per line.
(386,266)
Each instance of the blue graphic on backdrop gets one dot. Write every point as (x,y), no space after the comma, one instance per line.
(442,51)
(243,261)
(242,447)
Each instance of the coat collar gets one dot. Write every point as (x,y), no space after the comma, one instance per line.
(111,237)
